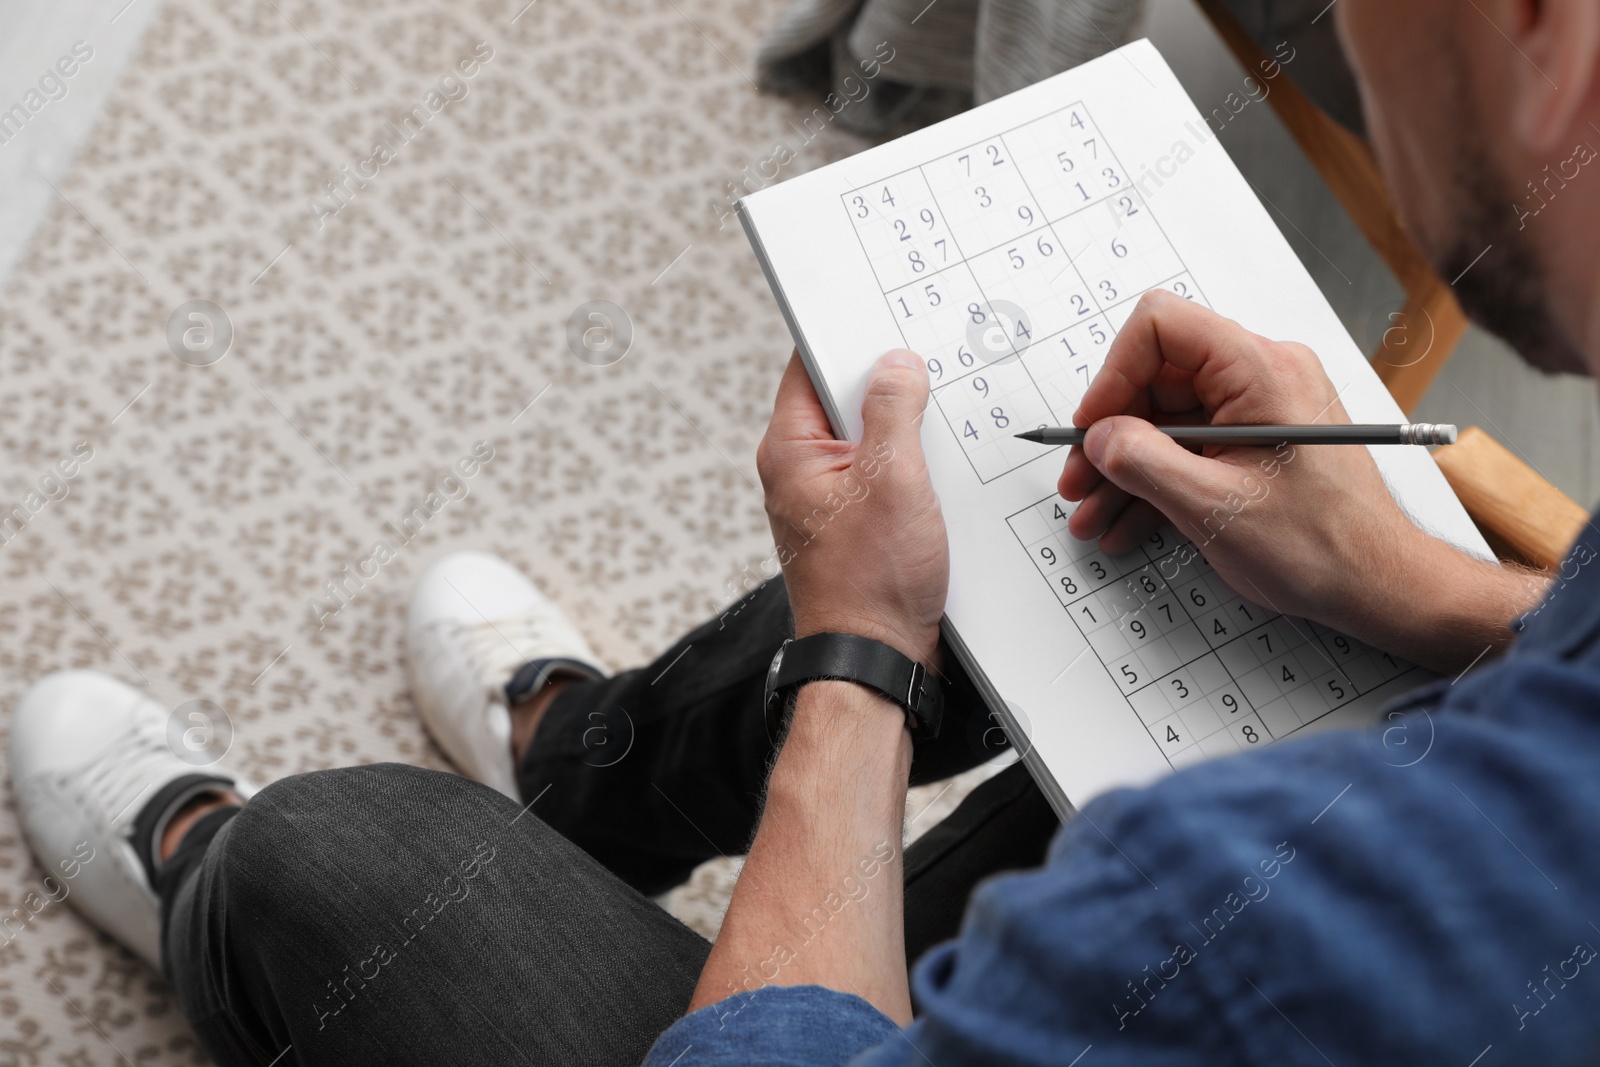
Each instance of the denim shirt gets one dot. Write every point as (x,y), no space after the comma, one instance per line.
(1425,891)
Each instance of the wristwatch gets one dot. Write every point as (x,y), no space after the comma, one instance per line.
(851,658)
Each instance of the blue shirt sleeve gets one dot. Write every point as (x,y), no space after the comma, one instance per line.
(777,1026)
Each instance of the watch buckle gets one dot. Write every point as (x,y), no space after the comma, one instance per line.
(914,688)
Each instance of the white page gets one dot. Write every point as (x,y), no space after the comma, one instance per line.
(852,278)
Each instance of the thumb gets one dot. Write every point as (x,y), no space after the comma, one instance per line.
(891,412)
(1144,462)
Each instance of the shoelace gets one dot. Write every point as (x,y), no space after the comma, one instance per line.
(132,768)
(497,647)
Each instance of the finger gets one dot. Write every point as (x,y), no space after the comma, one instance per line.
(891,411)
(1164,331)
(1131,528)
(797,414)
(1146,463)
(1078,476)
(1098,510)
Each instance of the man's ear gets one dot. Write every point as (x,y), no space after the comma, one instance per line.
(1555,80)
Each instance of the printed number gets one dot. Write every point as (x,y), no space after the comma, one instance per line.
(1182,289)
(1158,540)
(1126,204)
(1025,213)
(1250,734)
(1265,639)
(1229,702)
(861,208)
(1167,608)
(1218,630)
(1001,419)
(1118,249)
(1045,247)
(1073,352)
(1086,611)
(1138,629)
(1183,690)
(1130,675)
(903,306)
(1016,260)
(900,228)
(984,199)
(1172,736)
(1148,583)
(1113,179)
(1047,553)
(1065,161)
(934,299)
(977,313)
(1099,569)
(1109,289)
(1061,516)
(1342,645)
(1097,332)
(1068,584)
(1197,598)
(981,386)
(1079,305)
(1288,675)
(1244,609)
(970,432)
(968,161)
(944,253)
(1094,148)
(936,369)
(964,357)
(1335,688)
(995,158)
(1082,191)
(1076,120)
(927,216)
(917,266)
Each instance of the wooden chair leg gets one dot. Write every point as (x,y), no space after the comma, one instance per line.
(1419,339)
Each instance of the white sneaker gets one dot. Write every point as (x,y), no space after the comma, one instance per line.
(97,777)
(477,626)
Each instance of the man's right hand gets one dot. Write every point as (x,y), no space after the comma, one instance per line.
(1311,530)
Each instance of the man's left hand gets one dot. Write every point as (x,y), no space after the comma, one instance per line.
(858,527)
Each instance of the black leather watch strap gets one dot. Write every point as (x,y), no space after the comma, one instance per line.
(852,658)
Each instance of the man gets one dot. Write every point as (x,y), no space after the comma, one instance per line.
(1320,901)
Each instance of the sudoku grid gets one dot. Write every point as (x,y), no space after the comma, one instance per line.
(1009,265)
(1208,672)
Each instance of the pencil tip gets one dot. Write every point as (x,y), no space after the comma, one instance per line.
(1036,436)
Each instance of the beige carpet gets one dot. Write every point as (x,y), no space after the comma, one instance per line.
(370,352)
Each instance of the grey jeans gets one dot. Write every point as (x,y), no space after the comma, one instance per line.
(390,914)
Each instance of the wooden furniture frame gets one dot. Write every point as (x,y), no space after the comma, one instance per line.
(1426,330)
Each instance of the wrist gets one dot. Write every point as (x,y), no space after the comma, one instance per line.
(853,722)
(1439,607)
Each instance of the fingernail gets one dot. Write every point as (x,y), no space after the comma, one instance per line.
(1094,442)
(901,357)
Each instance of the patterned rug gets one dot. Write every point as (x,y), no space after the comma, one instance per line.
(397,209)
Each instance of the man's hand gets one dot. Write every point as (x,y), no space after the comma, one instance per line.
(858,528)
(1310,531)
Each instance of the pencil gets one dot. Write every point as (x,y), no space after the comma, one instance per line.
(1420,433)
